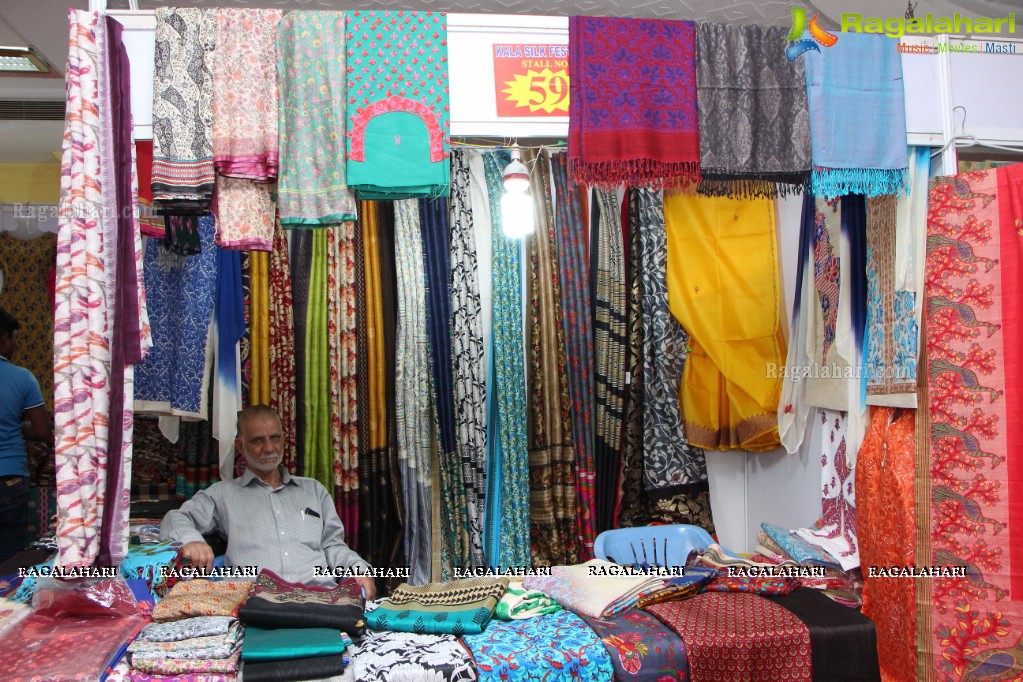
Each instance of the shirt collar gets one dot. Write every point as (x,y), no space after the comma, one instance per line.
(249,476)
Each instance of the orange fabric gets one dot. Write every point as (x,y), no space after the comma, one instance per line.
(201,597)
(886,531)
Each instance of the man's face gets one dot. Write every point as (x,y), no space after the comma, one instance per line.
(260,443)
(9,345)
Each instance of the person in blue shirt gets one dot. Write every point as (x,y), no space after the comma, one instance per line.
(22,415)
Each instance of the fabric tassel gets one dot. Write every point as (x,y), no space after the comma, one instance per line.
(871,182)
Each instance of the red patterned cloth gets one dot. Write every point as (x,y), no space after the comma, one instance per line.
(886,531)
(282,346)
(738,636)
(972,627)
(633,117)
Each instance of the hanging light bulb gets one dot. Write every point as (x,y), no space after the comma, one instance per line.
(516,204)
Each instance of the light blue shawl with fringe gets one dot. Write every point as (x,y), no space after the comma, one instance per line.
(857,117)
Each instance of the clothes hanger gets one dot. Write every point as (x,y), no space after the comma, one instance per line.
(966,140)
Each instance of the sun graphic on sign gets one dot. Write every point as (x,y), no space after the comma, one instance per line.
(539,90)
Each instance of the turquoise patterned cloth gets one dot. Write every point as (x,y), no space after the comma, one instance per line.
(146,561)
(801,551)
(311,189)
(264,644)
(508,540)
(521,650)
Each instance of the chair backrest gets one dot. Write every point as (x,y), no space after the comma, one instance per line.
(651,545)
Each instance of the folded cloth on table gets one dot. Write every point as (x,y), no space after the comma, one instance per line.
(642,648)
(762,585)
(598,588)
(457,607)
(182,648)
(314,668)
(275,602)
(138,676)
(203,626)
(201,597)
(715,557)
(417,658)
(179,666)
(557,646)
(801,551)
(519,602)
(847,555)
(277,644)
(680,587)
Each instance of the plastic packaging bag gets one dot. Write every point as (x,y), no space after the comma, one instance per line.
(84,598)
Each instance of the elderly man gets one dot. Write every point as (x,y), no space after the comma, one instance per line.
(271,519)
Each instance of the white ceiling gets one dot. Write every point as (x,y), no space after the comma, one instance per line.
(43,24)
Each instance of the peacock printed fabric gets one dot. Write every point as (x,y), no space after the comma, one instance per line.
(398,144)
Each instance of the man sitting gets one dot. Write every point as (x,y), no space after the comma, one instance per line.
(271,519)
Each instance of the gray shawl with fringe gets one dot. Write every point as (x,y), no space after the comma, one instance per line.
(754,123)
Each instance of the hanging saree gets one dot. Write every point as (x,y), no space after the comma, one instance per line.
(282,346)
(467,352)
(886,531)
(577,325)
(437,256)
(415,431)
(507,515)
(301,274)
(96,283)
(343,381)
(723,287)
(793,410)
(609,338)
(130,333)
(259,329)
(967,479)
(174,377)
(245,94)
(245,214)
(674,472)
(228,329)
(398,140)
(319,459)
(895,252)
(389,321)
(377,513)
(551,453)
(311,187)
(183,173)
(630,504)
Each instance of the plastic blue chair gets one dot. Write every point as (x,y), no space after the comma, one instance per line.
(651,545)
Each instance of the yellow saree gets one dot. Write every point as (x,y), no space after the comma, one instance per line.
(724,288)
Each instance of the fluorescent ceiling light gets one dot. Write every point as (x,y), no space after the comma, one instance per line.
(23,61)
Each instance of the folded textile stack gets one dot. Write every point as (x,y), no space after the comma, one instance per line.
(599,589)
(521,650)
(296,631)
(277,603)
(458,607)
(680,587)
(411,658)
(799,550)
(280,654)
(518,603)
(202,645)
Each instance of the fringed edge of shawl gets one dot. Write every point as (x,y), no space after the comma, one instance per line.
(753,185)
(636,173)
(830,183)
